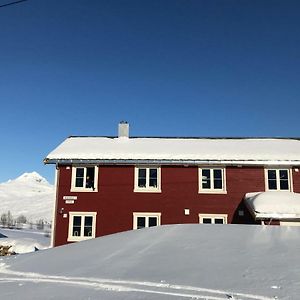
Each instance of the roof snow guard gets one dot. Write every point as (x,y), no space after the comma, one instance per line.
(227,151)
(278,205)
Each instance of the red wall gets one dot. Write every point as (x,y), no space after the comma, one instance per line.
(115,200)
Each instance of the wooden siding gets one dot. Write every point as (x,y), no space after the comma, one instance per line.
(115,200)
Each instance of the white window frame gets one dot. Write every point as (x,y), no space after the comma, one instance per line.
(146,215)
(212,190)
(147,189)
(73,214)
(277,169)
(213,217)
(84,189)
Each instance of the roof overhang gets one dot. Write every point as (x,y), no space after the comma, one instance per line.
(65,161)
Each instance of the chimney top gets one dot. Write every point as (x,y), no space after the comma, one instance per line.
(123,129)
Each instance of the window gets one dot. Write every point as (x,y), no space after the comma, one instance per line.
(84,179)
(213,219)
(212,180)
(278,179)
(147,179)
(81,226)
(142,220)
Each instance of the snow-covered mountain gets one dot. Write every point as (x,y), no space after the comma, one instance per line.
(30,195)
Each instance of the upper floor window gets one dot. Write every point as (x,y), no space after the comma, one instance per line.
(82,226)
(147,179)
(142,220)
(212,180)
(278,179)
(84,179)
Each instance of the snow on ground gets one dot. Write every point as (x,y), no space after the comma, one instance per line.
(24,240)
(30,195)
(212,262)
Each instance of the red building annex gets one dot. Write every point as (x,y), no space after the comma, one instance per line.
(106,185)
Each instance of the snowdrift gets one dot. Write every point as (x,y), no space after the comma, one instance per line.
(175,261)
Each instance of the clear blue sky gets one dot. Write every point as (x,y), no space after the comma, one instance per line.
(170,68)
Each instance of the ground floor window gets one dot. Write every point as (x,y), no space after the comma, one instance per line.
(82,226)
(212,218)
(142,220)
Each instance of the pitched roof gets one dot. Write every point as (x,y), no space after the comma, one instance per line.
(180,150)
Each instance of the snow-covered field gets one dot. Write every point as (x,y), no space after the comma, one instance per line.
(30,195)
(212,262)
(24,240)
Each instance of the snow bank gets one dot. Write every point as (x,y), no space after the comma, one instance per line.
(24,241)
(274,204)
(168,262)
(103,148)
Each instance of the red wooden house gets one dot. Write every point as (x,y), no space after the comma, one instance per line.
(106,185)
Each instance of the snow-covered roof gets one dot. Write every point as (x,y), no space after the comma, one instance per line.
(189,150)
(274,205)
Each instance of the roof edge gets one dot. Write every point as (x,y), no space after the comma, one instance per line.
(172,162)
(192,137)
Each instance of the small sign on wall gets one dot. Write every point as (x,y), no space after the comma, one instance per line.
(186,211)
(70,197)
(69,201)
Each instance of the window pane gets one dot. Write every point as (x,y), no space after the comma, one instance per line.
(88,221)
(142,173)
(219,221)
(79,172)
(90,177)
(142,178)
(205,178)
(272,184)
(283,174)
(284,179)
(153,173)
(217,174)
(152,221)
(76,221)
(153,182)
(79,177)
(142,182)
(153,177)
(206,220)
(76,226)
(79,182)
(141,222)
(284,184)
(88,226)
(272,174)
(218,184)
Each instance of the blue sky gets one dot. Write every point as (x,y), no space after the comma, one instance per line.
(170,68)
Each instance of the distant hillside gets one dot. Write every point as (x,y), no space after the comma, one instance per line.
(30,195)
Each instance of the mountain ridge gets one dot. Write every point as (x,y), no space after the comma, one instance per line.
(30,195)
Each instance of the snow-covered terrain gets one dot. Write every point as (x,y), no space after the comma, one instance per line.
(24,240)
(212,262)
(30,195)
